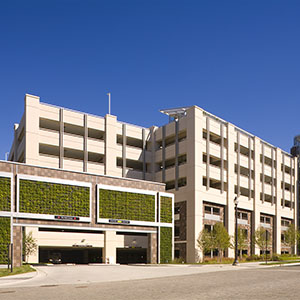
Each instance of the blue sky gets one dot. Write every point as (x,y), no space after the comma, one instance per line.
(240,60)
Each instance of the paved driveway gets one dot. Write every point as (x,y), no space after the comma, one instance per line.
(206,283)
(78,274)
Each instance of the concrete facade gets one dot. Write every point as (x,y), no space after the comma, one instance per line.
(203,160)
(48,232)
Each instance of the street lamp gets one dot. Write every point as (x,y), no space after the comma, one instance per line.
(236,202)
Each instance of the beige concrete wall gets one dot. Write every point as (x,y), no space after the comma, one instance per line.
(33,232)
(110,247)
(195,169)
(32,112)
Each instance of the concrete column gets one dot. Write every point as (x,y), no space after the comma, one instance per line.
(207,152)
(176,154)
(163,153)
(153,149)
(34,257)
(249,167)
(295,198)
(152,257)
(278,210)
(231,159)
(61,138)
(111,145)
(85,149)
(124,150)
(144,153)
(263,172)
(32,125)
(194,193)
(238,159)
(273,172)
(291,183)
(110,247)
(17,246)
(16,142)
(257,189)
(283,180)
(222,156)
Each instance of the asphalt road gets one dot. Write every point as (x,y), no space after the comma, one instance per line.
(261,283)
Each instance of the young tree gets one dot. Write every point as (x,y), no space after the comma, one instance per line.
(205,241)
(218,239)
(221,239)
(291,237)
(29,245)
(242,241)
(262,239)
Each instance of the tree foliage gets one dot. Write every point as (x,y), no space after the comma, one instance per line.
(29,245)
(262,238)
(291,236)
(242,240)
(205,241)
(217,239)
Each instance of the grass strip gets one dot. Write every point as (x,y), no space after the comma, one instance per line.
(281,262)
(16,270)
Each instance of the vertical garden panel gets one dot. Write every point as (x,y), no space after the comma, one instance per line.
(126,205)
(166,244)
(4,238)
(40,197)
(5,195)
(166,209)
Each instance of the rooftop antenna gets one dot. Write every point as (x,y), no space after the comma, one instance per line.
(6,155)
(109,96)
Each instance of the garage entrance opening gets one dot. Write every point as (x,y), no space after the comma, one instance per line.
(131,256)
(70,255)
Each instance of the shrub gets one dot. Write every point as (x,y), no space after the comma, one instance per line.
(253,257)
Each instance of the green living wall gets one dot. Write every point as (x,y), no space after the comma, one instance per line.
(4,238)
(166,209)
(5,197)
(126,206)
(165,245)
(53,198)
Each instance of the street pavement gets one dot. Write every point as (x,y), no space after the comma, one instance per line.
(247,281)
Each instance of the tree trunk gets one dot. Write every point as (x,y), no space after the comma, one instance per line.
(220,255)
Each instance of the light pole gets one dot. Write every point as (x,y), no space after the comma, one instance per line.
(236,202)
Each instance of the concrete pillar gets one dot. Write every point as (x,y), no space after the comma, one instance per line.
(257,189)
(152,249)
(110,247)
(278,210)
(124,167)
(194,194)
(32,125)
(16,142)
(34,257)
(231,182)
(61,138)
(34,231)
(17,246)
(295,197)
(85,148)
(153,149)
(111,145)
